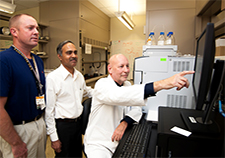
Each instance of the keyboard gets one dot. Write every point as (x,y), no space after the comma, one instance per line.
(135,141)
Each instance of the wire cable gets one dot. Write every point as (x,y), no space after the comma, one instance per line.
(219,91)
(220,108)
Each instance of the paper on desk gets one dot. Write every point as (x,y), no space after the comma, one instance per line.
(181,131)
(153,114)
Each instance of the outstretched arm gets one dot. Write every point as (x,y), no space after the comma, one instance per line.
(177,80)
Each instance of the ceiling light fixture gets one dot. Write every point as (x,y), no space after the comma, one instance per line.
(124,18)
(7,7)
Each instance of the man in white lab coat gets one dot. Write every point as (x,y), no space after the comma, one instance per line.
(112,96)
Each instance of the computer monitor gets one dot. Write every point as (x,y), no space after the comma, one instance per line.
(215,92)
(204,61)
(206,84)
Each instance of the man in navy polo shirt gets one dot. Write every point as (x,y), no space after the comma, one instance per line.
(22,88)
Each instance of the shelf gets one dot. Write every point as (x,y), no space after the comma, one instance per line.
(210,8)
(90,62)
(94,79)
(220,24)
(42,25)
(9,37)
(96,46)
(219,28)
(43,56)
(5,37)
(43,41)
(5,16)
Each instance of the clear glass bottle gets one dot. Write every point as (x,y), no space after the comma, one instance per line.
(151,39)
(161,39)
(170,40)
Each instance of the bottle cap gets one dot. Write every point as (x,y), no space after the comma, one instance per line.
(161,33)
(151,33)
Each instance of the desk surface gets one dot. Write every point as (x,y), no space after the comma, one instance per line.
(173,144)
(170,117)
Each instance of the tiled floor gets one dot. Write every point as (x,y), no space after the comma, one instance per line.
(49,151)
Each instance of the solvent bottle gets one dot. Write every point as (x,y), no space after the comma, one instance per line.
(151,39)
(161,39)
(170,40)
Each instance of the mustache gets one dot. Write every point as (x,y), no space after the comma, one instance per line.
(73,59)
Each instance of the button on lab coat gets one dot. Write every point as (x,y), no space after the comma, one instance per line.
(109,105)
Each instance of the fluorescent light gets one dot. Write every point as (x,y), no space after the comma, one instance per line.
(125,19)
(7,7)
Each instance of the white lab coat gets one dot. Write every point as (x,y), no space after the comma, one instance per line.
(109,104)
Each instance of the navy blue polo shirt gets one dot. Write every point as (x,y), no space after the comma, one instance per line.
(18,84)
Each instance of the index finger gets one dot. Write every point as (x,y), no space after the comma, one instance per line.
(113,138)
(183,73)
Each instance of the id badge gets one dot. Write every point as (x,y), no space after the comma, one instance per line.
(40,102)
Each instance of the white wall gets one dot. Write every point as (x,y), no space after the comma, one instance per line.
(176,16)
(127,42)
(32,11)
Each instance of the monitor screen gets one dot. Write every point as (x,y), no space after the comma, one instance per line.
(204,61)
(206,82)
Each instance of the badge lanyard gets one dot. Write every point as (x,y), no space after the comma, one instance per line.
(34,72)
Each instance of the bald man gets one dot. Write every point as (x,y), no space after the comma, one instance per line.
(22,88)
(112,96)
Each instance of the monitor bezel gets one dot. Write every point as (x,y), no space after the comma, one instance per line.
(207,66)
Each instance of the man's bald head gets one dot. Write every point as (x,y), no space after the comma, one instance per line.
(14,21)
(118,68)
(115,58)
